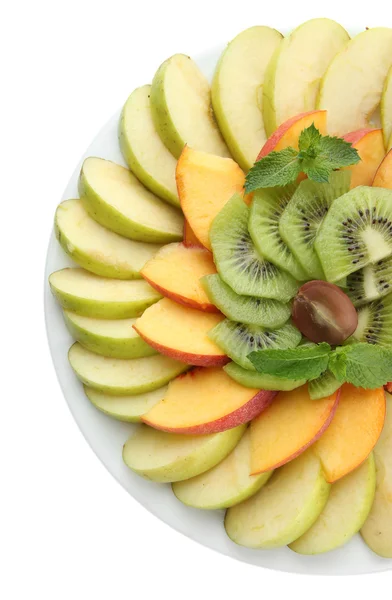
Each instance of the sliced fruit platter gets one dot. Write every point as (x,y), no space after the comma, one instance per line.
(231,286)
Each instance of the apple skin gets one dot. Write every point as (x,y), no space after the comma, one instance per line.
(205,307)
(388,387)
(244,414)
(197,360)
(301,450)
(370,146)
(383,177)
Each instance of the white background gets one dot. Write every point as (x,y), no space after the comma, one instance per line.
(67,529)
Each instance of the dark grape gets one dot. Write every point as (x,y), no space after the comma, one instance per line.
(324,313)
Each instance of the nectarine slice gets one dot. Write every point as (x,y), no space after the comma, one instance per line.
(370,146)
(288,427)
(181,333)
(354,431)
(383,177)
(175,271)
(205,183)
(189,236)
(207,401)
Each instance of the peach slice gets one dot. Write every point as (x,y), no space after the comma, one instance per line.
(181,333)
(354,431)
(175,272)
(205,183)
(383,176)
(189,236)
(288,133)
(388,387)
(370,146)
(206,401)
(288,427)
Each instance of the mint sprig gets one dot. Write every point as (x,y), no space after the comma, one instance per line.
(318,156)
(364,365)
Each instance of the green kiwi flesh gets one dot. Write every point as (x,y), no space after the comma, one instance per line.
(245,309)
(370,283)
(304,214)
(323,386)
(356,231)
(238,340)
(266,210)
(237,260)
(374,323)
(252,379)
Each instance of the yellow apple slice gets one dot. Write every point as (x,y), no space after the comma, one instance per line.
(91,296)
(125,408)
(143,150)
(226,484)
(353,83)
(283,509)
(96,248)
(168,457)
(386,110)
(237,91)
(293,76)
(117,200)
(347,509)
(119,377)
(377,531)
(113,338)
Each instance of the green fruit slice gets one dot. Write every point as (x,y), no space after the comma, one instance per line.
(86,294)
(97,249)
(117,200)
(226,484)
(245,309)
(125,408)
(356,231)
(347,509)
(112,338)
(283,509)
(168,457)
(181,108)
(375,323)
(123,377)
(238,340)
(386,110)
(360,67)
(323,386)
(255,380)
(370,283)
(237,91)
(143,150)
(237,260)
(303,215)
(293,76)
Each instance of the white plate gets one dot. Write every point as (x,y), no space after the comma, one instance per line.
(107,436)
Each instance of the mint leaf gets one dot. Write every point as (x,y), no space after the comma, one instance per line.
(303,362)
(316,169)
(309,139)
(364,365)
(337,153)
(275,169)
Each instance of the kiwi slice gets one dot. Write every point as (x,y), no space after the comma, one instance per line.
(237,260)
(304,214)
(245,309)
(323,386)
(252,379)
(265,213)
(356,231)
(238,340)
(374,323)
(370,283)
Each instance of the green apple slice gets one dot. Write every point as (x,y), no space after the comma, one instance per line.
(236,91)
(108,337)
(181,108)
(283,509)
(89,295)
(377,531)
(168,457)
(143,150)
(117,200)
(293,76)
(386,110)
(347,509)
(125,408)
(353,83)
(226,484)
(122,377)
(253,379)
(96,248)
